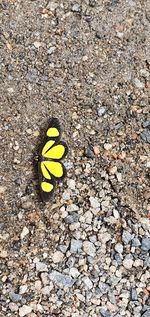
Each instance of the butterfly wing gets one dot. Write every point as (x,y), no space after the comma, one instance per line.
(47,184)
(50,167)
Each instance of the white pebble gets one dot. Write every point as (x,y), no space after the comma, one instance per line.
(24,232)
(24,310)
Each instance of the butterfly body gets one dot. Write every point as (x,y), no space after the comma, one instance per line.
(50,167)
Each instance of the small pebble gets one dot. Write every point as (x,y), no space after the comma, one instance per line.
(126,237)
(145,244)
(41,267)
(24,232)
(58,257)
(24,310)
(89,248)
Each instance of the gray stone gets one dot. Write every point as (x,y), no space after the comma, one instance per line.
(88,283)
(51,50)
(89,248)
(61,279)
(145,244)
(146,124)
(126,237)
(32,75)
(101,111)
(41,267)
(146,313)
(71,261)
(133,294)
(63,248)
(76,8)
(71,218)
(105,313)
(15,297)
(117,257)
(136,242)
(76,246)
(145,135)
(104,288)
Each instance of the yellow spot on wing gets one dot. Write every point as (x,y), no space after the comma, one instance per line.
(47,187)
(54,168)
(52,132)
(45,171)
(47,146)
(56,152)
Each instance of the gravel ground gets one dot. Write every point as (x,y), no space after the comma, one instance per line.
(86,253)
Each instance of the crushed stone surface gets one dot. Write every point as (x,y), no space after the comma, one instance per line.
(86,252)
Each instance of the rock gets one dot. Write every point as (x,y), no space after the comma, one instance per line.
(146,124)
(2,189)
(66,195)
(116,213)
(145,244)
(107,146)
(76,246)
(71,218)
(96,150)
(119,177)
(94,201)
(15,297)
(45,278)
(3,254)
(136,242)
(13,307)
(71,261)
(74,272)
(145,135)
(37,44)
(41,267)
(128,262)
(103,287)
(119,248)
(63,248)
(38,285)
(126,237)
(76,8)
(24,232)
(105,313)
(101,110)
(23,289)
(89,151)
(71,184)
(61,279)
(146,313)
(138,83)
(99,35)
(72,208)
(32,75)
(51,50)
(95,301)
(47,289)
(133,294)
(89,248)
(24,310)
(88,283)
(58,257)
(88,217)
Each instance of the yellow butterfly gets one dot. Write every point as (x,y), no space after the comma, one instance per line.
(50,168)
